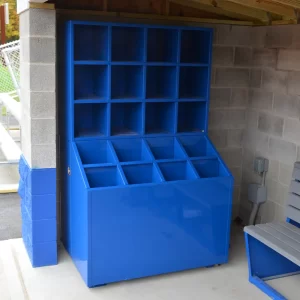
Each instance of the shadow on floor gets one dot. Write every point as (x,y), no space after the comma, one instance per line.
(10,216)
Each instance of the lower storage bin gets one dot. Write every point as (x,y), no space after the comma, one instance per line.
(196,146)
(207,168)
(173,171)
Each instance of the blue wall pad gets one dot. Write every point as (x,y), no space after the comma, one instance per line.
(146,192)
(38,207)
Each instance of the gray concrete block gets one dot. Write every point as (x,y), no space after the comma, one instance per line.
(263,57)
(43,131)
(234,35)
(38,50)
(239,97)
(258,36)
(218,137)
(298,153)
(235,137)
(24,24)
(243,56)
(42,22)
(260,99)
(280,213)
(220,97)
(232,77)
(252,119)
(270,124)
(273,172)
(255,78)
(275,81)
(42,77)
(279,37)
(232,156)
(268,212)
(42,104)
(282,151)
(289,60)
(256,141)
(293,83)
(25,76)
(223,56)
(287,105)
(285,173)
(43,156)
(227,119)
(292,130)
(237,175)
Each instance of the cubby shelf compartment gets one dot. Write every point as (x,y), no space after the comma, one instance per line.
(108,176)
(162,45)
(127,82)
(127,44)
(129,150)
(174,171)
(90,120)
(166,148)
(126,118)
(194,47)
(161,82)
(95,152)
(193,83)
(192,117)
(141,174)
(207,168)
(197,146)
(90,82)
(160,118)
(90,43)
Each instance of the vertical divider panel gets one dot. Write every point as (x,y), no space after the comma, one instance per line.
(144,81)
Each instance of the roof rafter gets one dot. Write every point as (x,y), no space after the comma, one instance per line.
(269,6)
(225,8)
(292,3)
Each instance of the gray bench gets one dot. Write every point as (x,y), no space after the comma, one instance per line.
(273,249)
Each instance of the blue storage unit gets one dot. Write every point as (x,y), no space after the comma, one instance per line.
(147,193)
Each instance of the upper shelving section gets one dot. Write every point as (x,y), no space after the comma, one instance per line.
(137,80)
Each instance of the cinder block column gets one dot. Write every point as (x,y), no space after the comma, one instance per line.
(38,163)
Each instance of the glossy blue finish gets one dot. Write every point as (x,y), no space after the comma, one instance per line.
(148,193)
(37,190)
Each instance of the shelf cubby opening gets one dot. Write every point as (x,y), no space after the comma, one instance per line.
(161,82)
(207,168)
(160,118)
(127,44)
(191,117)
(165,148)
(196,146)
(194,46)
(127,82)
(90,43)
(141,174)
(162,45)
(174,171)
(131,150)
(95,152)
(104,177)
(126,118)
(90,82)
(193,83)
(90,120)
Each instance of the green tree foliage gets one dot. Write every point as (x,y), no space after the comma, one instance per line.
(12,30)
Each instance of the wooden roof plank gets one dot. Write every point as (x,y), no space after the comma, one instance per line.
(292,3)
(226,8)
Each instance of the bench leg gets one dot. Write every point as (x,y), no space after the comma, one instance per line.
(264,264)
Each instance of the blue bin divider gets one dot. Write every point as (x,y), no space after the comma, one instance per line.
(180,170)
(96,152)
(107,176)
(142,173)
(90,82)
(129,150)
(166,148)
(196,146)
(127,44)
(90,43)
(208,168)
(90,120)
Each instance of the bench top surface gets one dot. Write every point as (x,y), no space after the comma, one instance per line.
(282,237)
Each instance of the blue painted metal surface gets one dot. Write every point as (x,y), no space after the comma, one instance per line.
(38,207)
(147,192)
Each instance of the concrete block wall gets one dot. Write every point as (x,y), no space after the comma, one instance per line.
(38,164)
(273,126)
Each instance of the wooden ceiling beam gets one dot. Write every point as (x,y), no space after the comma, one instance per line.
(225,8)
(268,6)
(292,3)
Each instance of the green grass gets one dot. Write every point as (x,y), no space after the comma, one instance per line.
(6,84)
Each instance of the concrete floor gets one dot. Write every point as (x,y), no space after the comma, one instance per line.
(19,281)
